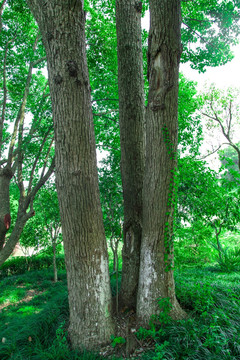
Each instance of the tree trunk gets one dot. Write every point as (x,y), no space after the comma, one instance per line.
(54,245)
(62,24)
(219,247)
(5,178)
(131,115)
(22,218)
(159,188)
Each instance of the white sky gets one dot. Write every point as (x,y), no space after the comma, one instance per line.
(223,76)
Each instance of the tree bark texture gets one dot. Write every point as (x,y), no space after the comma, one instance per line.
(62,24)
(159,188)
(131,115)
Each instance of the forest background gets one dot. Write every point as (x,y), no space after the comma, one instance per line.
(207,212)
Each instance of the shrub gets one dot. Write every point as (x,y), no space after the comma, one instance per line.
(20,265)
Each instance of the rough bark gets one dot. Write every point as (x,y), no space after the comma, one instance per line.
(61,23)
(131,116)
(159,188)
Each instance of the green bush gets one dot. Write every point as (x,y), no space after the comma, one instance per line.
(229,260)
(20,265)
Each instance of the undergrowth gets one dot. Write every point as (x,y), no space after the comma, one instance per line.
(212,329)
(34,319)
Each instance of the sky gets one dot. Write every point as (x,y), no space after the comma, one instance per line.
(223,76)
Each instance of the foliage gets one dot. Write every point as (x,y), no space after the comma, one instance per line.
(19,265)
(207,205)
(118,340)
(229,260)
(112,201)
(190,132)
(45,226)
(191,245)
(26,129)
(20,47)
(209,28)
(230,165)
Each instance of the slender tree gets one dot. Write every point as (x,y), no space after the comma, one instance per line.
(221,112)
(29,165)
(131,117)
(62,27)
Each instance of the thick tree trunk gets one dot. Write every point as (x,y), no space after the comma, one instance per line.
(61,23)
(159,189)
(131,114)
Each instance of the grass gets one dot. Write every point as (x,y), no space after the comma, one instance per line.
(34,319)
(212,330)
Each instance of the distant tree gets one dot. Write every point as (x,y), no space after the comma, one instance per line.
(204,197)
(26,131)
(208,31)
(193,241)
(222,113)
(230,164)
(43,231)
(112,205)
(112,202)
(190,130)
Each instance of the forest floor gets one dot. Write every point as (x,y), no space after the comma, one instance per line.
(34,317)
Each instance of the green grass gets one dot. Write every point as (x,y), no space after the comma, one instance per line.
(212,330)
(33,323)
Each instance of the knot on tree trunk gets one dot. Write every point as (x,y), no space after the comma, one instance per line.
(72,68)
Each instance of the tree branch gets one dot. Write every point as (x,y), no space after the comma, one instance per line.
(36,161)
(46,158)
(4,94)
(211,153)
(106,99)
(40,183)
(20,116)
(1,11)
